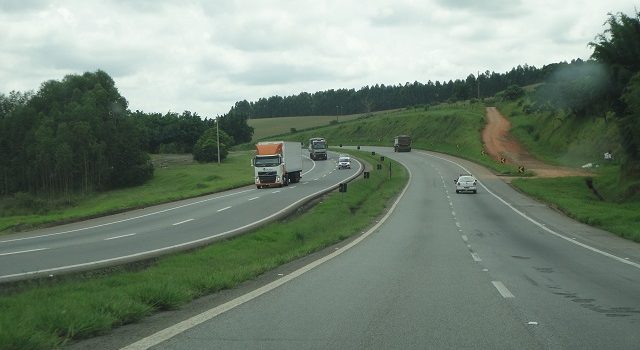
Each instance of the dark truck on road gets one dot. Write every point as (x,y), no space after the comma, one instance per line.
(402,143)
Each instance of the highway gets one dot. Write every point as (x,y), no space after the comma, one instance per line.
(492,270)
(157,230)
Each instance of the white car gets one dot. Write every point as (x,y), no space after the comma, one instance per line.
(466,183)
(344,162)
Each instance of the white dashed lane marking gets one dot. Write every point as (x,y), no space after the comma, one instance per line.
(121,236)
(502,289)
(182,222)
(24,251)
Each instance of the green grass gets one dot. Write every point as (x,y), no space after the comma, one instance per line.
(448,128)
(267,127)
(572,196)
(560,139)
(171,182)
(47,314)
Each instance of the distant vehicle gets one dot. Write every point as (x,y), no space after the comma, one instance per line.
(317,148)
(277,163)
(344,162)
(402,143)
(466,183)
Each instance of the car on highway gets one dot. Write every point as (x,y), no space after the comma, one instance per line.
(344,162)
(466,183)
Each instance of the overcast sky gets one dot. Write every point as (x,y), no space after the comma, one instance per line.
(203,56)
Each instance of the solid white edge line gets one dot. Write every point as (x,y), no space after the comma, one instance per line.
(122,236)
(542,226)
(24,251)
(178,328)
(502,289)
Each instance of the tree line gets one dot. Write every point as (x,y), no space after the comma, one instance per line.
(77,134)
(384,97)
(606,86)
(71,135)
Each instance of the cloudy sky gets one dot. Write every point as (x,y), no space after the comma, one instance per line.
(203,56)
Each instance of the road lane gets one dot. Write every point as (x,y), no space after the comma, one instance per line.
(158,229)
(451,271)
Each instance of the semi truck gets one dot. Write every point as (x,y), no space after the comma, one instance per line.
(317,148)
(402,143)
(277,163)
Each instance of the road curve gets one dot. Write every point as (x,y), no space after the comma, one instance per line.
(494,270)
(157,230)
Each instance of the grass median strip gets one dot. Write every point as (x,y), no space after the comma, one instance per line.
(45,315)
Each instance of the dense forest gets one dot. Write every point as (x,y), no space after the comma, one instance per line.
(78,135)
(384,97)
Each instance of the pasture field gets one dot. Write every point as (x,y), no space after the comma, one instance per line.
(267,127)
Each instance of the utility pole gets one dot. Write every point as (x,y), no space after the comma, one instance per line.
(478,81)
(218,137)
(337,107)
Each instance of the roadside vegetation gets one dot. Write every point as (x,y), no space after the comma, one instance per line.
(452,128)
(583,110)
(78,308)
(176,177)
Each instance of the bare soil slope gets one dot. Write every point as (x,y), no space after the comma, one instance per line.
(500,144)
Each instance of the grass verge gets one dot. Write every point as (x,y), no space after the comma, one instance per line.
(48,314)
(572,196)
(170,183)
(454,129)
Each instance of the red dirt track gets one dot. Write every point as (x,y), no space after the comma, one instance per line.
(501,145)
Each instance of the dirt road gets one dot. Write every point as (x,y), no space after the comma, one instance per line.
(500,144)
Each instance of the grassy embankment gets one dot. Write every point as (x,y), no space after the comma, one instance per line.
(455,129)
(172,181)
(448,128)
(45,315)
(558,139)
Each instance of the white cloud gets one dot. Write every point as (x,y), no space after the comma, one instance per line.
(204,56)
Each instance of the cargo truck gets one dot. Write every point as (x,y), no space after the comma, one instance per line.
(317,148)
(402,143)
(277,163)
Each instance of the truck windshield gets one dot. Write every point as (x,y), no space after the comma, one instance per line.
(318,145)
(266,161)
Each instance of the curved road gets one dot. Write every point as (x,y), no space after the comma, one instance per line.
(494,270)
(160,229)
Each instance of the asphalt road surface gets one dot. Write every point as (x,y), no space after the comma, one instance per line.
(492,270)
(160,229)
